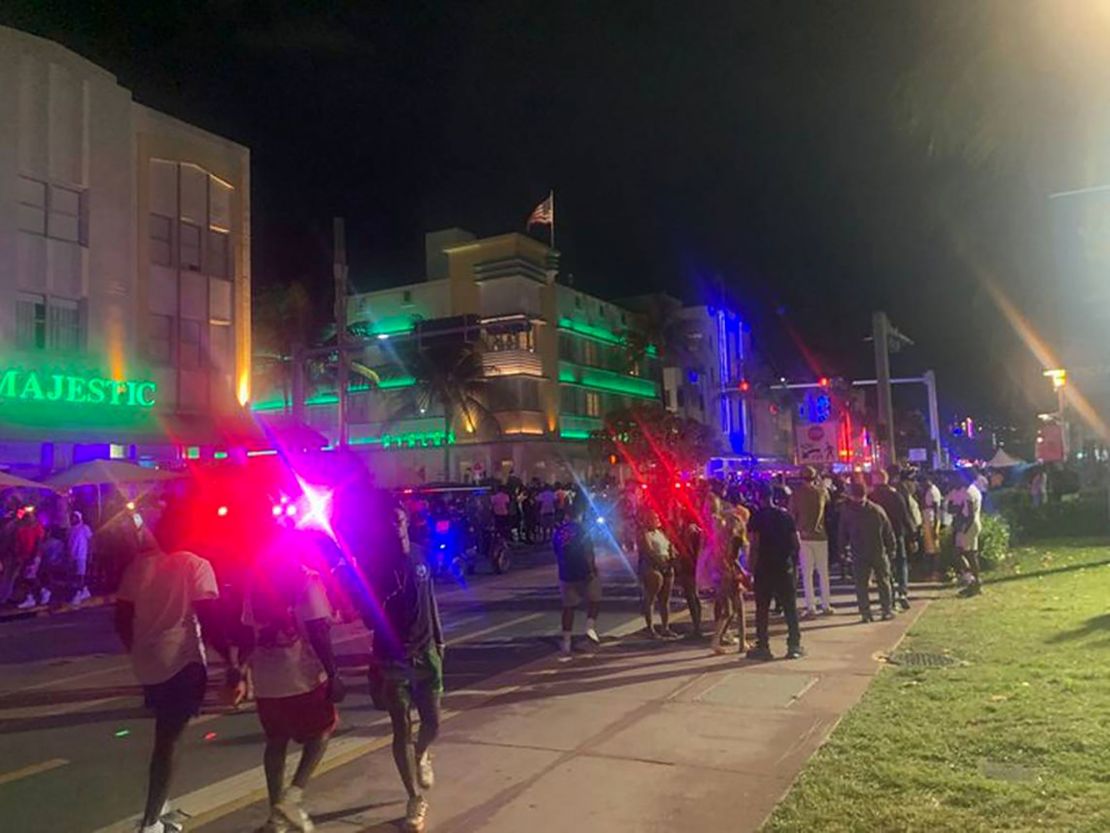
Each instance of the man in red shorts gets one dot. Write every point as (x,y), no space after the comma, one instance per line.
(296,682)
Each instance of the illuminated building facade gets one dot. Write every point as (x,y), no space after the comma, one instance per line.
(124,268)
(554,357)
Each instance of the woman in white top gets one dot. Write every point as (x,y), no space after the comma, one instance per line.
(656,568)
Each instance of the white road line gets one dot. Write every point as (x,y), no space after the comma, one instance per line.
(466,637)
(33,769)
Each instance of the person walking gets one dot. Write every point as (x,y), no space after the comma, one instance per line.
(78,542)
(579,581)
(774,553)
(294,673)
(688,538)
(807,507)
(166,601)
(894,505)
(408,649)
(931,517)
(656,568)
(866,533)
(966,506)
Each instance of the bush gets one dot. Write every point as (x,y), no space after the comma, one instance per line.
(1078,515)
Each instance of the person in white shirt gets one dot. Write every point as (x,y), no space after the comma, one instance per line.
(656,568)
(77,544)
(296,681)
(166,598)
(932,510)
(966,505)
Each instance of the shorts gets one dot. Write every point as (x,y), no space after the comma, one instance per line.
(968,540)
(178,699)
(395,684)
(300,718)
(574,592)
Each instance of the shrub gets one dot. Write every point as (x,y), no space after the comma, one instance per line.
(1078,515)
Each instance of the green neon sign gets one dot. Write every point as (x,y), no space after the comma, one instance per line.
(574,434)
(75,389)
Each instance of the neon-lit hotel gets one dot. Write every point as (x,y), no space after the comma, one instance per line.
(554,357)
(124,268)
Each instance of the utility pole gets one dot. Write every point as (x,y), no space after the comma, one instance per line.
(930,379)
(339,270)
(880,335)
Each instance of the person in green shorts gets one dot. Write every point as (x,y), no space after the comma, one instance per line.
(407,671)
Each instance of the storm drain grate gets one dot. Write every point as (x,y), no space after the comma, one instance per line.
(920,659)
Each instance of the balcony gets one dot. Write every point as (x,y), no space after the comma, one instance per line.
(512,363)
(608,381)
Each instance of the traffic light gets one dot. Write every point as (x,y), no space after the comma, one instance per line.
(745,386)
(823,382)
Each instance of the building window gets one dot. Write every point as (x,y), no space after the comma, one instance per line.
(190,246)
(589,353)
(161,240)
(32,205)
(219,345)
(218,255)
(64,214)
(160,340)
(48,324)
(522,340)
(189,345)
(593,404)
(30,322)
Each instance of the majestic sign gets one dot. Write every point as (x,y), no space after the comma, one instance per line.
(75,389)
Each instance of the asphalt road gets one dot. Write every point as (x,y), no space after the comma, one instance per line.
(74,737)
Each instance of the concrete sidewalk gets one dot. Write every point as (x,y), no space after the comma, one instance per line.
(633,736)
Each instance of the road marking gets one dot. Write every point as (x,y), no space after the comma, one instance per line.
(466,637)
(34,769)
(49,683)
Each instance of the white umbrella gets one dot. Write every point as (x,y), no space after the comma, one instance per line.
(1002,460)
(10,481)
(115,472)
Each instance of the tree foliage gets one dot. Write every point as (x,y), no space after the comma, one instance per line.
(653,440)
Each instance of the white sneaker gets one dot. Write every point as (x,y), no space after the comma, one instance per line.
(591,634)
(425,775)
(828,610)
(27,603)
(157,827)
(83,595)
(44,597)
(416,815)
(290,811)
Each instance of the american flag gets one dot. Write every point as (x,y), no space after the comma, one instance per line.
(544,213)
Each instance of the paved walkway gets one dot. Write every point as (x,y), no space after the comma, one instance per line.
(633,736)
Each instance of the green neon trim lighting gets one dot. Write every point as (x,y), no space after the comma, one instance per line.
(574,435)
(192,452)
(219,455)
(75,389)
(397,382)
(606,380)
(600,333)
(393,325)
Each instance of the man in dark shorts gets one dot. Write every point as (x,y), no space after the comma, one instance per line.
(407,668)
(578,578)
(774,554)
(296,681)
(165,600)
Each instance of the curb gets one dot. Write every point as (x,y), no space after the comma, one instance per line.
(44,611)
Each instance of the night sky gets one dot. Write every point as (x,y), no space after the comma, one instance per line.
(820,159)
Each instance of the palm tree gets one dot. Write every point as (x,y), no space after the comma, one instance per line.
(283,318)
(659,324)
(449,376)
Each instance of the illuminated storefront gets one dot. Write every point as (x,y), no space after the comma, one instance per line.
(124,269)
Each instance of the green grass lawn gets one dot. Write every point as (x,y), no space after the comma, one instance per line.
(1018,738)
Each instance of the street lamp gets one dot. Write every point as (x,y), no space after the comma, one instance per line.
(1059,378)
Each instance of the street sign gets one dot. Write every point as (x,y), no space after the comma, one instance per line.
(817,443)
(918,455)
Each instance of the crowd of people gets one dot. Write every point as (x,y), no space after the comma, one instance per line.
(268,612)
